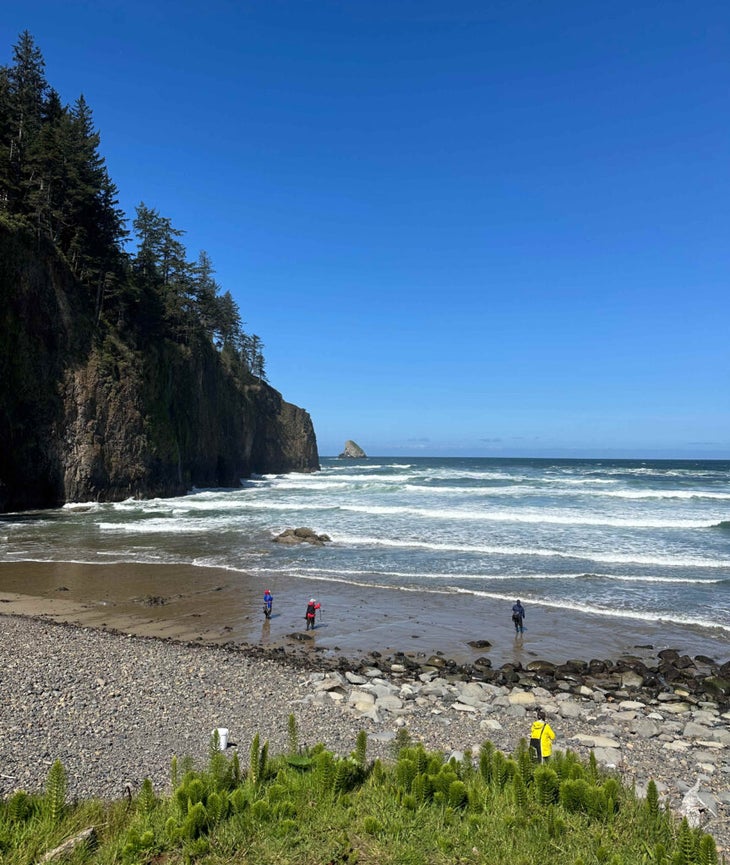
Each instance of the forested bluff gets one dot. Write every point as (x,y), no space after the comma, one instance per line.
(122,373)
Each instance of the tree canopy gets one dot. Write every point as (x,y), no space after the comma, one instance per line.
(54,183)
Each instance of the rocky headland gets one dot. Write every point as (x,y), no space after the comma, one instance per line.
(115,708)
(103,410)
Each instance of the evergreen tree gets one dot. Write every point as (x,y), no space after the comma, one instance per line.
(205,292)
(25,88)
(96,224)
(54,179)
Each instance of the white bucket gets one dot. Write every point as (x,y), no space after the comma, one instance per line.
(222,737)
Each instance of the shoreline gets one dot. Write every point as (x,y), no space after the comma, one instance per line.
(214,606)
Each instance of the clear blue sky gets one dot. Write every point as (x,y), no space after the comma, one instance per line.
(478,227)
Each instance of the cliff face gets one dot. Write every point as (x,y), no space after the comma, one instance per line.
(88,415)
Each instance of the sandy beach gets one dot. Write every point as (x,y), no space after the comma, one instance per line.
(214,606)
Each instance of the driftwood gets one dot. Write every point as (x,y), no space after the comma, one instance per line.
(86,836)
(696,807)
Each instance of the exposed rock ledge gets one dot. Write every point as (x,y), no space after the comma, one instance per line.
(301,536)
(352,451)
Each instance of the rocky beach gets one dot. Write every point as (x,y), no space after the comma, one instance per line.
(115,708)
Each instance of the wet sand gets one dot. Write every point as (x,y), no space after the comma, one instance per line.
(215,606)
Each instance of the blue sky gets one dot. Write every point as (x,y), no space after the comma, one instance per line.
(478,228)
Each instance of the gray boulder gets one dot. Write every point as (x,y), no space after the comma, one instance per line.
(301,536)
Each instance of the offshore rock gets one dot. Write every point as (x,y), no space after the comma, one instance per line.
(301,536)
(352,451)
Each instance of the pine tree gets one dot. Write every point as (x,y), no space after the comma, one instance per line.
(25,91)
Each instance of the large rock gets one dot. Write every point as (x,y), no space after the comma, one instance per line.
(352,451)
(301,535)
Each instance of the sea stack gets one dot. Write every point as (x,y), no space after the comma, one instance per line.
(352,451)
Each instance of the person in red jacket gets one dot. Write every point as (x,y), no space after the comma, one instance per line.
(312,608)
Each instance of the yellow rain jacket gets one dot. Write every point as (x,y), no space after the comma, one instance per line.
(543,731)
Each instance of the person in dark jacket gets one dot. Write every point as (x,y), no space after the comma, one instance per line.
(311,613)
(518,617)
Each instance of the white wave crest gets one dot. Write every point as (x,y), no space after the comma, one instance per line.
(533,517)
(587,555)
(406,575)
(668,616)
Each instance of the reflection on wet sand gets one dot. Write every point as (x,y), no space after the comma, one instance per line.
(213,606)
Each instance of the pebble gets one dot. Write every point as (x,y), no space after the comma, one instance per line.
(115,709)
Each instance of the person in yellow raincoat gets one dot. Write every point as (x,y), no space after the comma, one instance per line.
(541,737)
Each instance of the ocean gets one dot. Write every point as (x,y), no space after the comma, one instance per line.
(619,539)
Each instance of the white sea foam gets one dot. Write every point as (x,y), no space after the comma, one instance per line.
(533,517)
(488,492)
(81,506)
(556,577)
(154,526)
(669,616)
(611,535)
(587,555)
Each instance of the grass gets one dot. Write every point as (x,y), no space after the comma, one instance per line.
(310,806)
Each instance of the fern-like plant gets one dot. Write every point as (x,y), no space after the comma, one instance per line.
(324,772)
(519,789)
(218,766)
(146,800)
(253,759)
(707,851)
(217,807)
(458,797)
(235,770)
(686,843)
(575,795)
(293,735)
(257,761)
(652,799)
(19,807)
(421,788)
(486,757)
(361,748)
(372,826)
(196,821)
(405,772)
(402,741)
(525,762)
(547,785)
(55,798)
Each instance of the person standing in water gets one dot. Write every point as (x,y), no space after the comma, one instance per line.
(518,617)
(268,603)
(312,608)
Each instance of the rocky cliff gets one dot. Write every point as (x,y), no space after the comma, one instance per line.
(89,414)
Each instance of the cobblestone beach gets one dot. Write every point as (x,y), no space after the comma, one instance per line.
(116,708)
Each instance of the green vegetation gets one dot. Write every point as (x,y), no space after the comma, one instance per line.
(125,367)
(56,192)
(310,806)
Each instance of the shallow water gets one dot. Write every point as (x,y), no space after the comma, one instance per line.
(620,540)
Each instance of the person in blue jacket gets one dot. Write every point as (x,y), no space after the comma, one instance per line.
(268,603)
(518,617)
